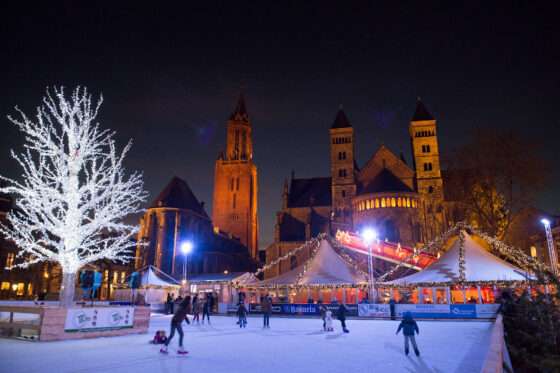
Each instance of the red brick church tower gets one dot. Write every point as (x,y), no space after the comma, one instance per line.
(234,209)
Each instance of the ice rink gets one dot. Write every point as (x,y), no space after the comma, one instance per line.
(291,346)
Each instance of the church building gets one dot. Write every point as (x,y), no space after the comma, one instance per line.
(403,203)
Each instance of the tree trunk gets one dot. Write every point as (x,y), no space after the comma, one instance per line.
(67,289)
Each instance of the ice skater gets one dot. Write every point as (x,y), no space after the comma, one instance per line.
(242,315)
(341,314)
(409,326)
(206,310)
(327,321)
(323,313)
(266,307)
(176,321)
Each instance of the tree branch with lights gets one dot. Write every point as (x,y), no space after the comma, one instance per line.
(74,194)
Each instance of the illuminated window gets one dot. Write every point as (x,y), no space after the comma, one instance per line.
(377,203)
(388,202)
(382,202)
(5,285)
(413,202)
(533,251)
(20,289)
(399,202)
(407,202)
(10,260)
(123,276)
(30,289)
(393,202)
(106,276)
(115,277)
(368,204)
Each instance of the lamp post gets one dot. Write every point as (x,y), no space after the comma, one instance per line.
(186,248)
(369,235)
(551,249)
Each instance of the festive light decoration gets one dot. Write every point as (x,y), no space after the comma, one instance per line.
(74,192)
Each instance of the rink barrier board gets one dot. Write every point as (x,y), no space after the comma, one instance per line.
(423,311)
(431,311)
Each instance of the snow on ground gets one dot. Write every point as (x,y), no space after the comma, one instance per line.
(291,345)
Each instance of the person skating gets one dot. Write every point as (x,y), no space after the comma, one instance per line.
(266,307)
(392,308)
(176,321)
(341,315)
(328,321)
(242,315)
(323,313)
(196,310)
(409,326)
(206,310)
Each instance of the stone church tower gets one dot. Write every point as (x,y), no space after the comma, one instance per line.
(234,209)
(343,182)
(429,182)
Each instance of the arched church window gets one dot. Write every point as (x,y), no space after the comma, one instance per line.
(407,202)
(234,200)
(399,202)
(393,202)
(382,202)
(377,203)
(237,183)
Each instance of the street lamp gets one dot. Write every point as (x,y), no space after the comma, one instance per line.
(550,242)
(186,249)
(369,235)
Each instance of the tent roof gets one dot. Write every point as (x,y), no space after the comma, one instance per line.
(152,276)
(480,265)
(241,277)
(326,268)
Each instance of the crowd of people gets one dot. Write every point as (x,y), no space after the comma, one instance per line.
(205,305)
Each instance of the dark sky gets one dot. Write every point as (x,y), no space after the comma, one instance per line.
(170,77)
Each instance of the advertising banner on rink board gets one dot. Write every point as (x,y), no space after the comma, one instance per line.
(98,318)
(305,309)
(373,310)
(424,311)
(486,311)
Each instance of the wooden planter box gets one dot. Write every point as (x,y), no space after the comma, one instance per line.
(55,323)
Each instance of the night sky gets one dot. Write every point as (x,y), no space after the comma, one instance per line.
(170,76)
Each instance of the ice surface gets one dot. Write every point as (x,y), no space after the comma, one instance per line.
(291,345)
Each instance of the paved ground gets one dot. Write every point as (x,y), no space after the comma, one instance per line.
(291,345)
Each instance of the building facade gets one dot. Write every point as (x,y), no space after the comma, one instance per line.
(403,203)
(234,207)
(175,217)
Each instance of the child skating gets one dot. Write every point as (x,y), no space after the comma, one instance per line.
(242,315)
(176,321)
(328,321)
(409,326)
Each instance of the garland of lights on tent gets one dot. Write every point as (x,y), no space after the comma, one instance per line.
(517,256)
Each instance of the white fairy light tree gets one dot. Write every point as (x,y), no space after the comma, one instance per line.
(74,195)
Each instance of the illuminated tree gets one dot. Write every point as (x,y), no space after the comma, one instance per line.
(74,195)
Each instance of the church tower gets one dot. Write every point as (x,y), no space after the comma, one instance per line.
(234,208)
(343,184)
(429,183)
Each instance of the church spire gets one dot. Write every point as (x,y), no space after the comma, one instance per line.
(341,120)
(421,112)
(240,111)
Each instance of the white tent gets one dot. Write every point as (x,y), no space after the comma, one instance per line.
(325,268)
(152,277)
(480,265)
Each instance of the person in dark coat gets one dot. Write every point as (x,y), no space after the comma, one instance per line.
(409,326)
(266,307)
(392,308)
(206,309)
(169,303)
(242,315)
(341,315)
(196,310)
(323,313)
(176,321)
